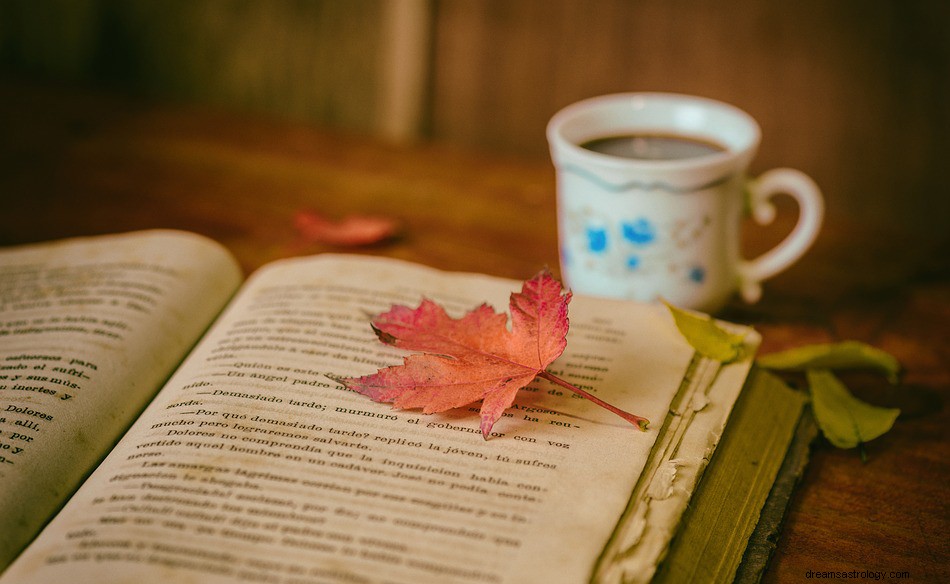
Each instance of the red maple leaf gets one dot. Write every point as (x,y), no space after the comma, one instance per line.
(474,357)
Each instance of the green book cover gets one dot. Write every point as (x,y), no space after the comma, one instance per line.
(727,532)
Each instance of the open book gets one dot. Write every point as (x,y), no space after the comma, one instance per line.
(161,421)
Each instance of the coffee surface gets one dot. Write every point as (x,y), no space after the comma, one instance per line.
(653,146)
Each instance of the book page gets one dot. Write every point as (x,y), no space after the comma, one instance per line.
(253,465)
(684,447)
(89,329)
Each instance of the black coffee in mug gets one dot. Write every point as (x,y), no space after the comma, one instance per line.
(653,146)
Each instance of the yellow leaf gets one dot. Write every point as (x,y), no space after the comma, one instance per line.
(707,337)
(835,356)
(845,420)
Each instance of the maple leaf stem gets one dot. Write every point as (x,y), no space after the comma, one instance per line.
(637,421)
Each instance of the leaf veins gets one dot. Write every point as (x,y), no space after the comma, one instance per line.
(474,357)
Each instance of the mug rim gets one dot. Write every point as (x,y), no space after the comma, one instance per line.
(640,100)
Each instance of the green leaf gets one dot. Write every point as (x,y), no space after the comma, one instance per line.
(845,420)
(835,356)
(707,337)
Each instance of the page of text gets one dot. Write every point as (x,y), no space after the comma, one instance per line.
(254,465)
(89,329)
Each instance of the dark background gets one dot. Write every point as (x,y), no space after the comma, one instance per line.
(855,93)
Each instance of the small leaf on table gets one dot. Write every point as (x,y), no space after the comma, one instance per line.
(350,231)
(834,356)
(845,420)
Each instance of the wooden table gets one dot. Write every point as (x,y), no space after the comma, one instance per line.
(74,163)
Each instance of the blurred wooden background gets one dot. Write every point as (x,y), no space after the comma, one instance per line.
(854,92)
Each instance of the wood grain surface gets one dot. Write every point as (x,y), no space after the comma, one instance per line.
(81,163)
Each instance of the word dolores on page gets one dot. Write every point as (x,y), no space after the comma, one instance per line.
(89,329)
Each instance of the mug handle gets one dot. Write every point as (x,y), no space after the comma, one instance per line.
(811,212)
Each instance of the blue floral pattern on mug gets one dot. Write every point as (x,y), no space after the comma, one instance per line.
(639,232)
(596,238)
(638,246)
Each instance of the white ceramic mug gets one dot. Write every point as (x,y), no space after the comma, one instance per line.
(645,229)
